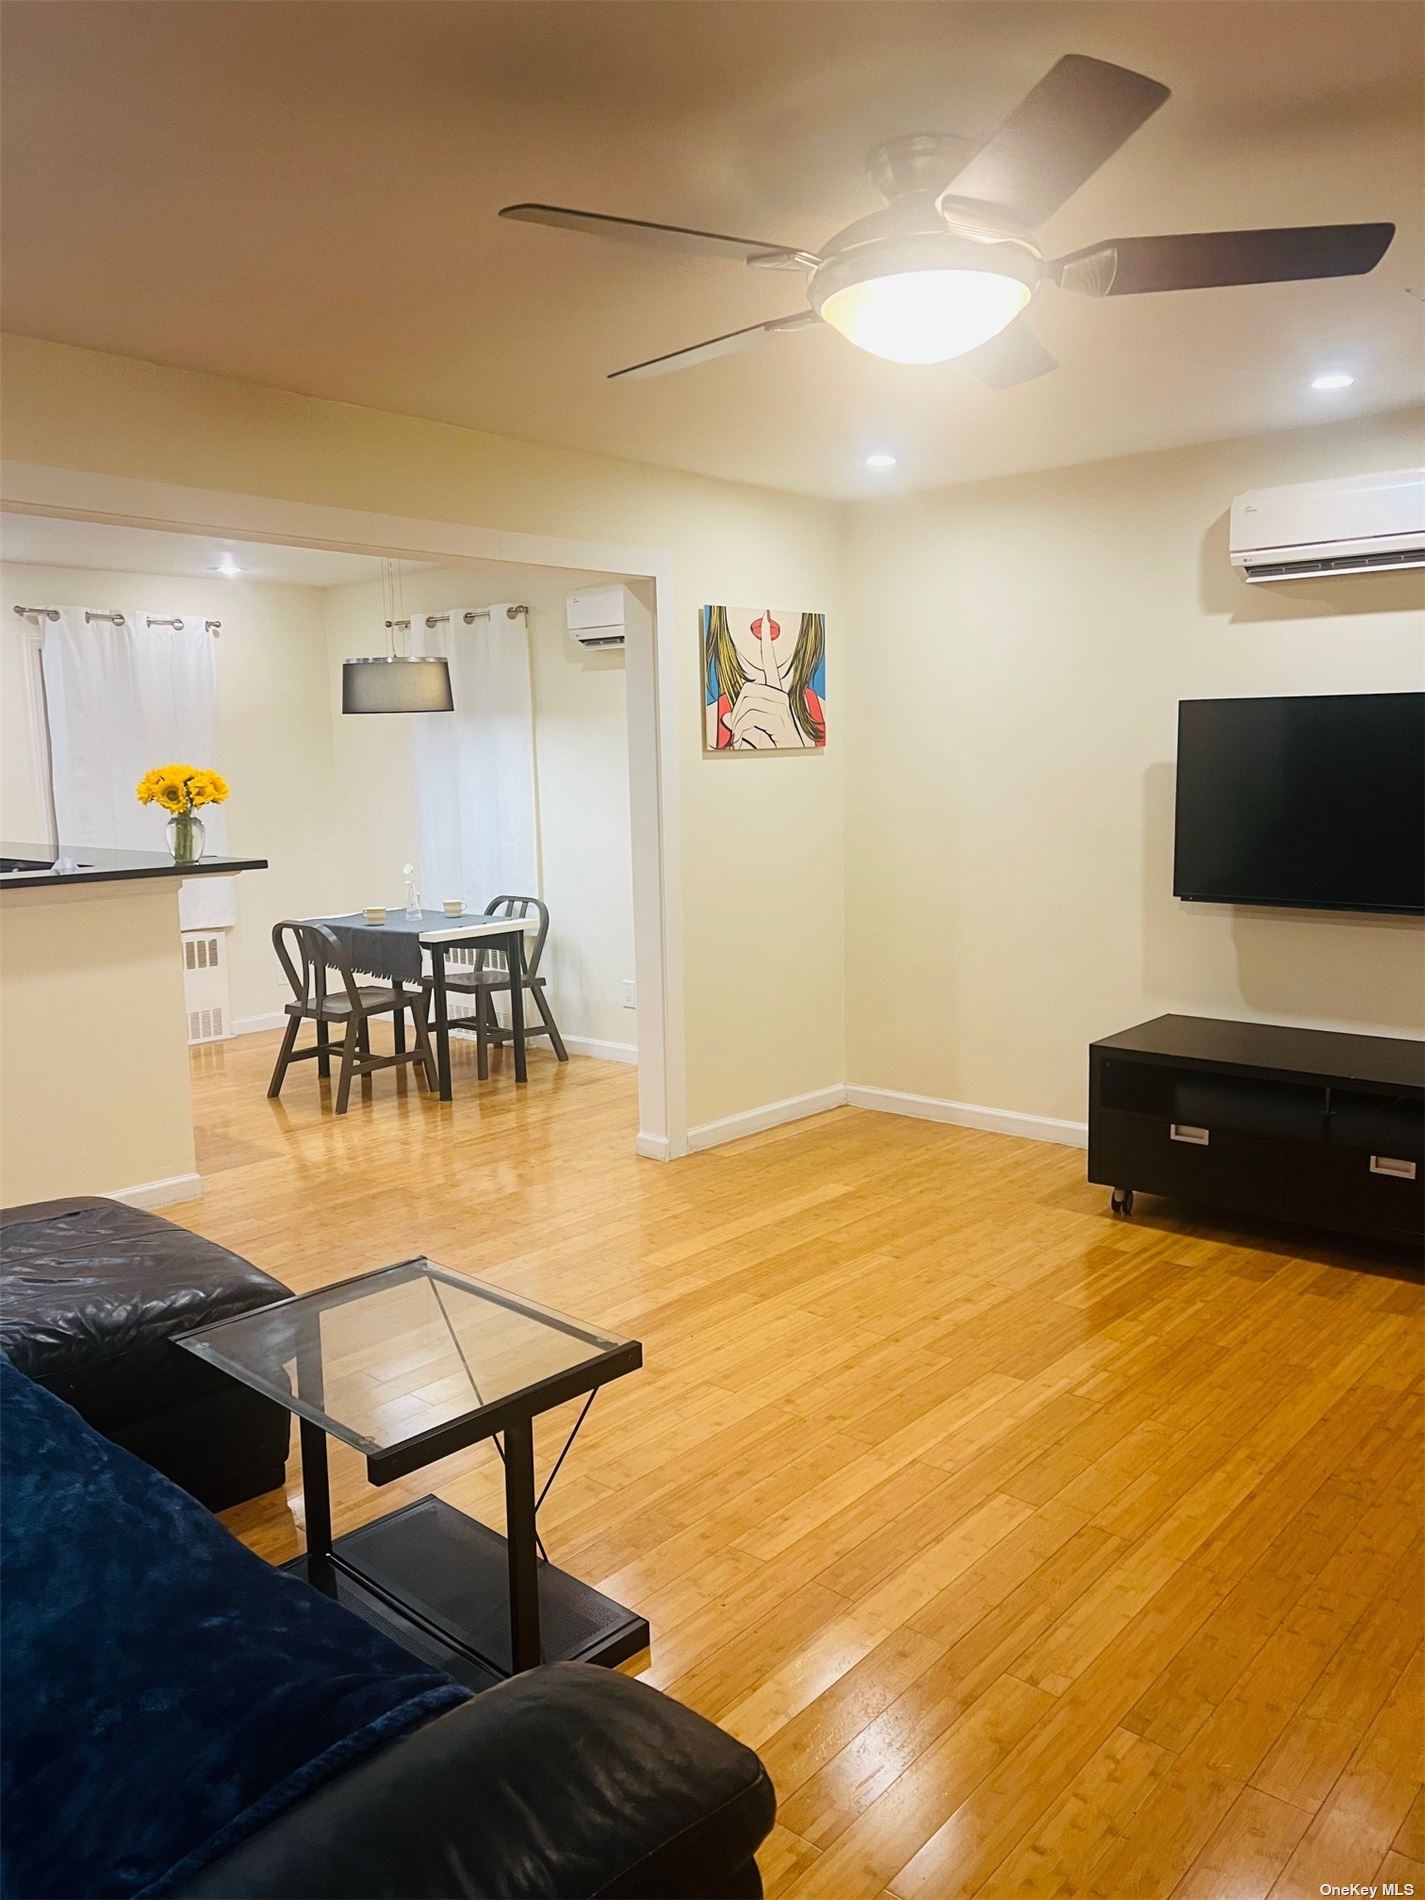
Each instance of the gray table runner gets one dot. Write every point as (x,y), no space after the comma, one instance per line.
(391,951)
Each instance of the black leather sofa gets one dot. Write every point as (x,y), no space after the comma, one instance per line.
(568,1781)
(92,1292)
(153,1669)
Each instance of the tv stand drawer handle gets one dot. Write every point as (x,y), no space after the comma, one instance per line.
(1391,1165)
(1184,1131)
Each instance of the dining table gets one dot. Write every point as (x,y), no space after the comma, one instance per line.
(396,949)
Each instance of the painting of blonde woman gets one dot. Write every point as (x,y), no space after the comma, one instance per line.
(764,679)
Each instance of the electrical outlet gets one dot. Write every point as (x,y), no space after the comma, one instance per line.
(628,1001)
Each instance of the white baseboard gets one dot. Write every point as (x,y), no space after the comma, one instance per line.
(652,1147)
(753,1121)
(601,1051)
(996,1121)
(175,1187)
(576,1045)
(250,1025)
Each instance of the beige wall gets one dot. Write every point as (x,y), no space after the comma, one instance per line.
(1005,700)
(762,901)
(274,742)
(581,767)
(1020,648)
(93,1068)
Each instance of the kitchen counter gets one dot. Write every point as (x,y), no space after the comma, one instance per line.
(94,1081)
(96,865)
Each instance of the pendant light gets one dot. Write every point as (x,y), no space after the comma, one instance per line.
(395,682)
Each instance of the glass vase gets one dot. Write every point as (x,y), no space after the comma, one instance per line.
(184,832)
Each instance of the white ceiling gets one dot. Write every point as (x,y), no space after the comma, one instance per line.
(46,541)
(305,196)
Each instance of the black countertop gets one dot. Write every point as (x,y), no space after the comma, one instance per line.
(97,865)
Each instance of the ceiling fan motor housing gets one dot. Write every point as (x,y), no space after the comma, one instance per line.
(919,161)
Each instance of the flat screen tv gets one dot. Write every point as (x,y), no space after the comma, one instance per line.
(1315,802)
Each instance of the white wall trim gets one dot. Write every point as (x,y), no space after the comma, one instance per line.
(650,658)
(576,1045)
(251,1025)
(652,1147)
(753,1121)
(601,1051)
(174,1187)
(995,1121)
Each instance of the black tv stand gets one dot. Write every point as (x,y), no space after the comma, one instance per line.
(1254,1118)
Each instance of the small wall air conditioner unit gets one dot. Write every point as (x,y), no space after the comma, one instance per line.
(1357,524)
(598,616)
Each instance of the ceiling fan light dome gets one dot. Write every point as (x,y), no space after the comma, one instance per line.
(924,301)
(925,316)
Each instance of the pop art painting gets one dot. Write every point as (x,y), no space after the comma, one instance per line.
(764,679)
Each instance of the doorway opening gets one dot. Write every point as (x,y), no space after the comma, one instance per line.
(340,805)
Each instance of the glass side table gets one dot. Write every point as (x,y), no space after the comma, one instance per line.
(409,1364)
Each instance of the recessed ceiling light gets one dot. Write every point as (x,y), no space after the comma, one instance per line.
(880,461)
(227,565)
(1333,379)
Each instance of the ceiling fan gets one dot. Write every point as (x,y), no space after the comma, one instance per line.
(948,268)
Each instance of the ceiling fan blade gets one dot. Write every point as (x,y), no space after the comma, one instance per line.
(1014,356)
(1203,260)
(1058,135)
(732,344)
(663,237)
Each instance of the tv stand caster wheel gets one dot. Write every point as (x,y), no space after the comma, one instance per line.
(1121,1202)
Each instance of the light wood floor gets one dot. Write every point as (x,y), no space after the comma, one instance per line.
(1037,1553)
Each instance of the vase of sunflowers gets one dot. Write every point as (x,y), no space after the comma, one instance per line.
(181,790)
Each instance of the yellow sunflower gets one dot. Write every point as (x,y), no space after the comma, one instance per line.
(179,788)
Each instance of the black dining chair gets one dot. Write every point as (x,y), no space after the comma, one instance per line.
(308,953)
(487,975)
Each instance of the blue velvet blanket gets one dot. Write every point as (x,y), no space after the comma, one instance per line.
(165,1692)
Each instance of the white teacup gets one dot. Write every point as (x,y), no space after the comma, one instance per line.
(454,907)
(375,913)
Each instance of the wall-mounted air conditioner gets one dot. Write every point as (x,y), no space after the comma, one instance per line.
(1358,524)
(598,616)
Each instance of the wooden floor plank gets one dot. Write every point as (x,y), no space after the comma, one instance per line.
(1359,1819)
(976,1838)
(1253,1843)
(870,1762)
(1410,1836)
(1097,1805)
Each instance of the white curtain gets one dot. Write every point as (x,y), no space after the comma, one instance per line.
(120,700)
(474,768)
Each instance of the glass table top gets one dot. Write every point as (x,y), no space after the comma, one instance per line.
(391,1356)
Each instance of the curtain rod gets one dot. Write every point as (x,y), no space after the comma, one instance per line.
(469,616)
(117,620)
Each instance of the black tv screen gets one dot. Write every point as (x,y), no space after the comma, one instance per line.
(1314,802)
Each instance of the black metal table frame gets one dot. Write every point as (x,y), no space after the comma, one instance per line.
(521,1532)
(506,1418)
(512,943)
